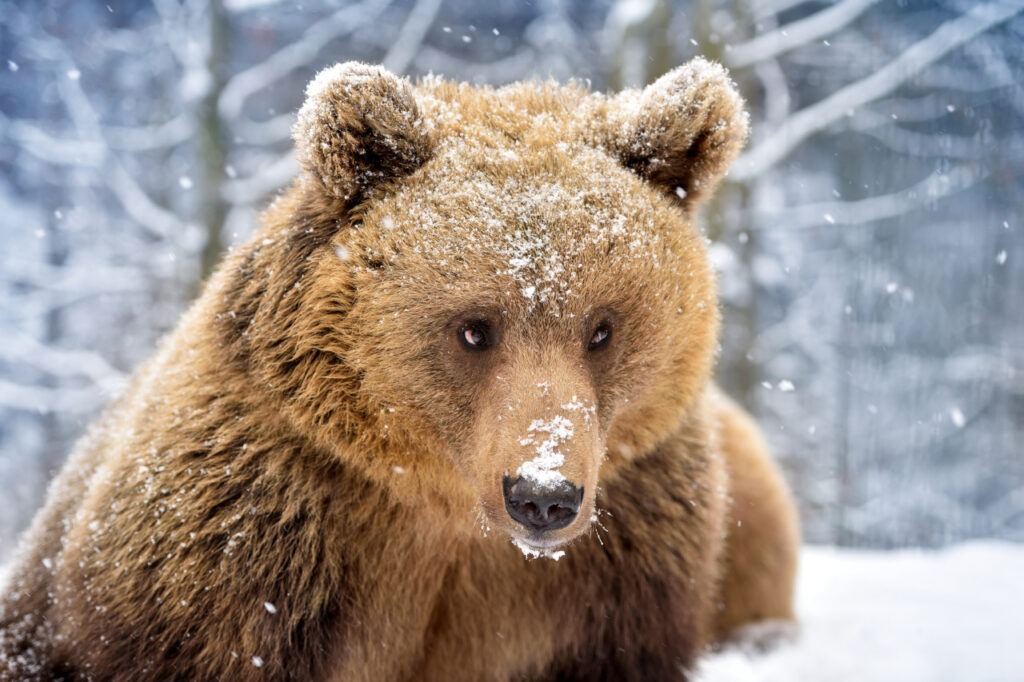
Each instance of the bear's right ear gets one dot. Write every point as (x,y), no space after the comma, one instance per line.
(358,127)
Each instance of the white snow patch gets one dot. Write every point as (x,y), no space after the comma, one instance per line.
(915,615)
(531,552)
(271,609)
(543,469)
(257,661)
(577,405)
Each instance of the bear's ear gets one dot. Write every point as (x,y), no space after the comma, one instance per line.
(682,131)
(359,126)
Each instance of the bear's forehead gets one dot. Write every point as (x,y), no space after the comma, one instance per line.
(516,166)
(516,194)
(545,224)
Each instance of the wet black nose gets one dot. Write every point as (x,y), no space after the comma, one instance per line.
(541,506)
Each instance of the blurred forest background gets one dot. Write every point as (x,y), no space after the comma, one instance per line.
(869,242)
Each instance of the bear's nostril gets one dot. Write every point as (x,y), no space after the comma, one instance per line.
(541,507)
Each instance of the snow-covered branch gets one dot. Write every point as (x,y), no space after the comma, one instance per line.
(265,133)
(58,151)
(410,37)
(791,36)
(137,203)
(61,362)
(762,9)
(48,400)
(935,186)
(817,117)
(271,178)
(932,145)
(147,138)
(94,150)
(776,91)
(302,52)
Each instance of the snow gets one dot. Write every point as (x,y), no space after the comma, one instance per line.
(543,469)
(533,552)
(912,615)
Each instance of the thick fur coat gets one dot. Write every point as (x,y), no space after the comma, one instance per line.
(466,288)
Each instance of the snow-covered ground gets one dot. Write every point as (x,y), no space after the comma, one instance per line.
(955,615)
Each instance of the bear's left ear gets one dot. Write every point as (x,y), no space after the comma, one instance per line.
(680,132)
(358,127)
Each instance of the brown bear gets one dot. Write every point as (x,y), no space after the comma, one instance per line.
(479,315)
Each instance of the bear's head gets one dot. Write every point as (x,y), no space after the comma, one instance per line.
(497,294)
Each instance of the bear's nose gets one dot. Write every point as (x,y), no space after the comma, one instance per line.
(541,506)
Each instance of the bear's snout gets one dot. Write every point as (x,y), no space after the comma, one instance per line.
(541,506)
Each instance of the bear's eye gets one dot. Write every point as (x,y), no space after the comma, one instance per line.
(599,339)
(475,335)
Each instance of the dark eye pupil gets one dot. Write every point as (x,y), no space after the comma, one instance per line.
(474,336)
(600,337)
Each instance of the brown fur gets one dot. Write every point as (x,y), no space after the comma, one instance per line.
(305,481)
